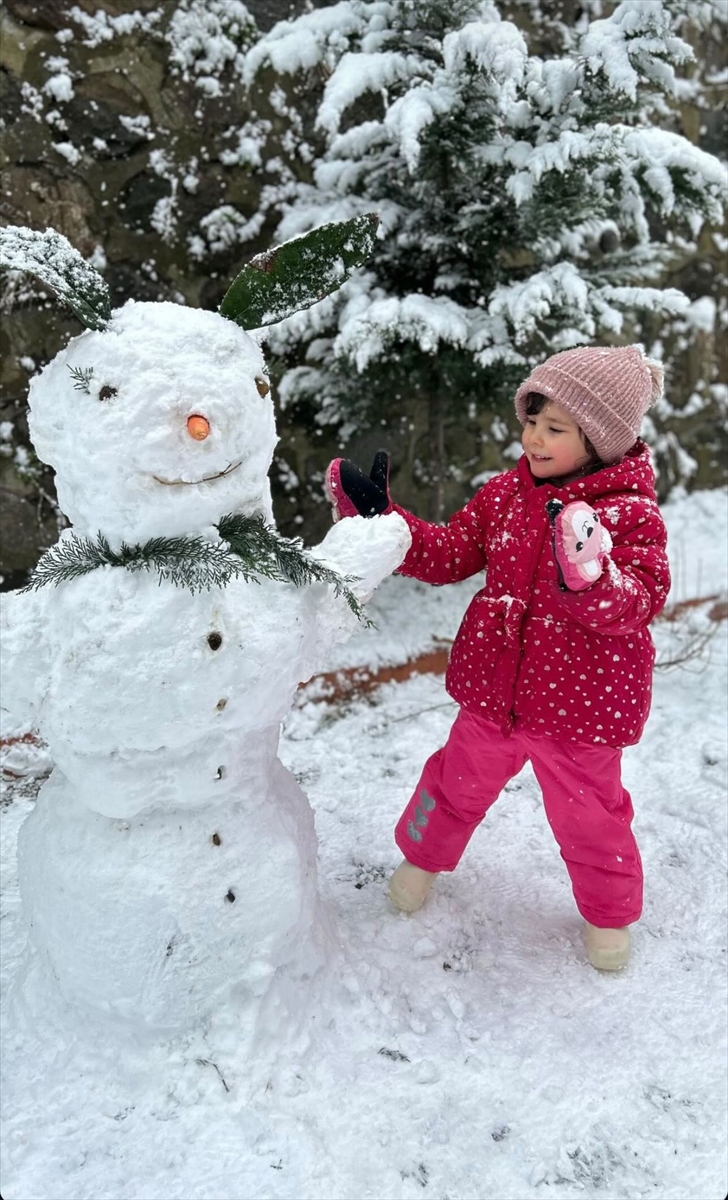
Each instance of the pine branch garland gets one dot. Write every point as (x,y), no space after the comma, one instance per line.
(286,559)
(249,549)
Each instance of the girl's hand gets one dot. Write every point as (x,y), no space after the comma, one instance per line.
(351,493)
(580,543)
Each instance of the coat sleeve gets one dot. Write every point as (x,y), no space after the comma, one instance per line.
(634,585)
(448,553)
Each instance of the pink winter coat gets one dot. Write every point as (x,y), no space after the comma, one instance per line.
(570,665)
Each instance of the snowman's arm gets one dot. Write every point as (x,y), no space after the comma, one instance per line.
(24,656)
(365,548)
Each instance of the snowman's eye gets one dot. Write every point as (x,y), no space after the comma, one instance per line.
(107,392)
(262,385)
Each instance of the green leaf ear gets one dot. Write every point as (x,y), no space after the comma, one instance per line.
(54,261)
(293,276)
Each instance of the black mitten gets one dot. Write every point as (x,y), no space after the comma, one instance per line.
(352,493)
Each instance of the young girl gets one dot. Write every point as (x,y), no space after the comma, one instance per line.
(553,659)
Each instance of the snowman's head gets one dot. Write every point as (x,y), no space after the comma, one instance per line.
(157,425)
(158,420)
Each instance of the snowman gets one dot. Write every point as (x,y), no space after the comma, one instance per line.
(168,868)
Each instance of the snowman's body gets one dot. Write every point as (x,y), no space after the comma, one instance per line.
(157,696)
(170,862)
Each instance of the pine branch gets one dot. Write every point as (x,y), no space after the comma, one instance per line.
(284,557)
(249,550)
(193,563)
(186,562)
(68,559)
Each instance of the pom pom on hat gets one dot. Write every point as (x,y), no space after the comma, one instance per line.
(657,372)
(606,389)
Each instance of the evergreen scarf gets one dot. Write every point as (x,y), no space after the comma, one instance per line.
(249,548)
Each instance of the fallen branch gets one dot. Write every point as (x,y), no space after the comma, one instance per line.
(718,612)
(30,739)
(350,682)
(693,650)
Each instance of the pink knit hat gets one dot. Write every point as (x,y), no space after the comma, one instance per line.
(607,390)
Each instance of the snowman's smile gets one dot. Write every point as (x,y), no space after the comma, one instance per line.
(205,478)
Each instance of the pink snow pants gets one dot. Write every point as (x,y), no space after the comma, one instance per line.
(587,808)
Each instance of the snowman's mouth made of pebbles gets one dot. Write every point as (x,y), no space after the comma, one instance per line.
(205,478)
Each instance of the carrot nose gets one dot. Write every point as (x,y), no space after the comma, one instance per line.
(198,427)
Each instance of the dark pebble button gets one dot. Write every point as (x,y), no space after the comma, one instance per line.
(214,641)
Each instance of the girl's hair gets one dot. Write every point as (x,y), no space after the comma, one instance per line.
(535,402)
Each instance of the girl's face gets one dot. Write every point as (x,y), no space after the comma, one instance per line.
(553,443)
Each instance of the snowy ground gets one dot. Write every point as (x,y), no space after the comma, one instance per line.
(469,1051)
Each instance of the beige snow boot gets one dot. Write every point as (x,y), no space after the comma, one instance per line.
(409,886)
(607,949)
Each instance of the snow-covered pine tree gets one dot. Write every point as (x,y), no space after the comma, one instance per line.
(527,204)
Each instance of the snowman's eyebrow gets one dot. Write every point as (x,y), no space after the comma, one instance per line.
(81,377)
